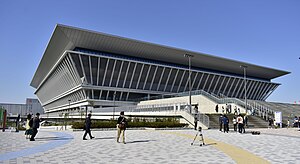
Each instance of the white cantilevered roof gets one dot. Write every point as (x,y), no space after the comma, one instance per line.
(67,38)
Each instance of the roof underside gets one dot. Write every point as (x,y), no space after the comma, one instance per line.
(67,38)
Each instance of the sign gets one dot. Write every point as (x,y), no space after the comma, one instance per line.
(278,117)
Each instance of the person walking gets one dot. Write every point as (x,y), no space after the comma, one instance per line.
(35,126)
(88,123)
(121,127)
(28,128)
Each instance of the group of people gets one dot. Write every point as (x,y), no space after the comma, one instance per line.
(32,125)
(239,122)
(121,127)
(228,109)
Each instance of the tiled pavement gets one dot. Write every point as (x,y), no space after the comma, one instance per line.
(151,146)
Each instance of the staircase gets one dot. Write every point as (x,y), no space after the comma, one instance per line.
(253,121)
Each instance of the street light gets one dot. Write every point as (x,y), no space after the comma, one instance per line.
(114,106)
(190,81)
(67,114)
(245,85)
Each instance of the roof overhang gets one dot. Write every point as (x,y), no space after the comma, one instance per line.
(67,38)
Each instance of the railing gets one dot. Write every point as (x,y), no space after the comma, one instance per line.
(255,109)
(179,108)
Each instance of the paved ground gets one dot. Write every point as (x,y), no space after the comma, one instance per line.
(152,146)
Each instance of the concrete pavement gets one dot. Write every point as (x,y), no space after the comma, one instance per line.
(151,146)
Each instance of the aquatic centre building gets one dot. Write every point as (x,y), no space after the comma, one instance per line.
(86,68)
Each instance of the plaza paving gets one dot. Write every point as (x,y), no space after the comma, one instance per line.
(152,146)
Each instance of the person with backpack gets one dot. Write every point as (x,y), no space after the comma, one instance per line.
(121,126)
(28,126)
(35,125)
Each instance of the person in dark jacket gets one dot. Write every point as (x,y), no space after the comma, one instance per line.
(35,126)
(121,126)
(226,123)
(88,127)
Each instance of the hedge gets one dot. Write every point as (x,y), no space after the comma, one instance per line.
(112,124)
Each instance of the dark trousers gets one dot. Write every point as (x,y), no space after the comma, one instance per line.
(221,127)
(241,127)
(226,128)
(234,127)
(34,132)
(88,131)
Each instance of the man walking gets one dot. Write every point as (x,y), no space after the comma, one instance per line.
(88,127)
(35,126)
(121,126)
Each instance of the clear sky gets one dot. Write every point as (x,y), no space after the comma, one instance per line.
(262,32)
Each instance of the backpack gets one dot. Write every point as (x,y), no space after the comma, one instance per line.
(31,123)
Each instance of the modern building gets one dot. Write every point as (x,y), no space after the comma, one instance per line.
(32,106)
(86,68)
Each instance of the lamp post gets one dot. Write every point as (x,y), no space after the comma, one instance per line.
(114,105)
(245,85)
(190,81)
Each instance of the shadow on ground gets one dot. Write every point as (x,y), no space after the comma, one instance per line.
(53,138)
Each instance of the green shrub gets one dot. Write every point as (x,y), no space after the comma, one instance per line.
(112,124)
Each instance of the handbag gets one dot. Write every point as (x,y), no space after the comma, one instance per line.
(121,125)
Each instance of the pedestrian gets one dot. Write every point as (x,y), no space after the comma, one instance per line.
(234,122)
(288,124)
(221,122)
(270,123)
(87,127)
(195,122)
(227,108)
(240,123)
(35,125)
(121,126)
(28,127)
(196,109)
(226,123)
(246,120)
(17,122)
(217,108)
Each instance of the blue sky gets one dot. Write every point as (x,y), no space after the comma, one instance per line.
(262,32)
